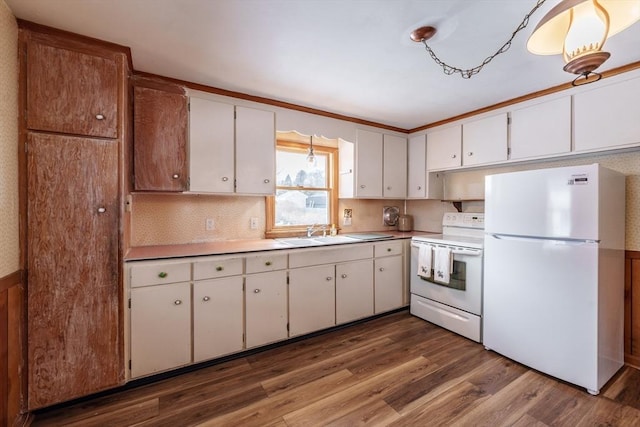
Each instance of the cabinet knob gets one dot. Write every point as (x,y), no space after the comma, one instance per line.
(99,117)
(381,269)
(102,209)
(388,188)
(419,187)
(219,268)
(388,249)
(162,274)
(177,302)
(266,181)
(256,291)
(329,279)
(175,176)
(344,276)
(362,186)
(268,263)
(205,299)
(470,153)
(225,179)
(453,156)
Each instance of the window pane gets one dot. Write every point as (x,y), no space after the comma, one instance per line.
(297,207)
(293,170)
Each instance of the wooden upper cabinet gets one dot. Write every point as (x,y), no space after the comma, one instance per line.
(71,92)
(160,140)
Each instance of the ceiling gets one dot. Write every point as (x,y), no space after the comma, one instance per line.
(349,57)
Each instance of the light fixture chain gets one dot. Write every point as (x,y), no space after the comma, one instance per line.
(466,74)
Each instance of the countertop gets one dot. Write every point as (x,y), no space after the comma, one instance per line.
(224,247)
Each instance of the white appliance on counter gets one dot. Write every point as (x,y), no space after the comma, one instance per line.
(554,271)
(446,285)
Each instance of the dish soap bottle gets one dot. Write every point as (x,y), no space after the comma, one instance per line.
(333,230)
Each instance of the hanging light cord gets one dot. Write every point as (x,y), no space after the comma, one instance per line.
(466,74)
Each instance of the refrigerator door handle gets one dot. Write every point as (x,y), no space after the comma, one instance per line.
(543,239)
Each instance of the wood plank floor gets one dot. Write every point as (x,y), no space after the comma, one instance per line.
(392,371)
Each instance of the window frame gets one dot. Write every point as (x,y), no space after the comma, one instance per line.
(273,231)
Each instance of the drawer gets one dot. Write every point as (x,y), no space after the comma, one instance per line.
(158,273)
(266,262)
(330,255)
(388,248)
(213,267)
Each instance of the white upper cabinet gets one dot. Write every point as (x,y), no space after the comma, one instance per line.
(444,148)
(211,146)
(368,164)
(541,130)
(255,151)
(394,167)
(420,184)
(231,148)
(374,167)
(485,140)
(607,117)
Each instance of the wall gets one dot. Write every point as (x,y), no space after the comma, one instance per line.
(627,163)
(9,245)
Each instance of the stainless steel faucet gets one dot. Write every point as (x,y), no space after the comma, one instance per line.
(312,229)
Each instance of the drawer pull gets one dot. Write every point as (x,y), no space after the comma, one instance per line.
(329,279)
(362,186)
(177,302)
(175,176)
(162,274)
(219,268)
(256,291)
(102,209)
(268,263)
(344,276)
(99,116)
(205,299)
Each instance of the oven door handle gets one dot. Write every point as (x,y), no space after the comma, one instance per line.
(467,252)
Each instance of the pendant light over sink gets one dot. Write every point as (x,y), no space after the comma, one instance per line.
(578,29)
(311,158)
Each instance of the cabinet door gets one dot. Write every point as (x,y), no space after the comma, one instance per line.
(218,316)
(394,167)
(74,346)
(541,130)
(368,164)
(255,151)
(266,308)
(607,116)
(160,328)
(312,299)
(388,283)
(485,140)
(354,290)
(160,140)
(417,164)
(444,147)
(211,146)
(71,92)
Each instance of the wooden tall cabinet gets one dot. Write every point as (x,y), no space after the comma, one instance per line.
(73,98)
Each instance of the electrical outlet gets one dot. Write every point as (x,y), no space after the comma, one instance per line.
(253,223)
(209,224)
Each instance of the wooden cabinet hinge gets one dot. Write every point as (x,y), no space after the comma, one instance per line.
(508,151)
(508,120)
(129,364)
(129,302)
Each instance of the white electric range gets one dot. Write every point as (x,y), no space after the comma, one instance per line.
(455,302)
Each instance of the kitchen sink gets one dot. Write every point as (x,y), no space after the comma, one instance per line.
(315,241)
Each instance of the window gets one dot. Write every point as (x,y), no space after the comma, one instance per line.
(305,194)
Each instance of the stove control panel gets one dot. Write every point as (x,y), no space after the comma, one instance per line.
(463,219)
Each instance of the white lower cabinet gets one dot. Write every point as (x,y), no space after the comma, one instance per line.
(354,290)
(312,299)
(160,328)
(265,308)
(388,284)
(218,317)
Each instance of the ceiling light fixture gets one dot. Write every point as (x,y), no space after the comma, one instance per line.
(423,34)
(578,29)
(311,158)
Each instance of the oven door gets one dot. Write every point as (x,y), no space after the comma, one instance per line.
(464,290)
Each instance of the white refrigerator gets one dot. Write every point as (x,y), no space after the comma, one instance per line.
(554,271)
